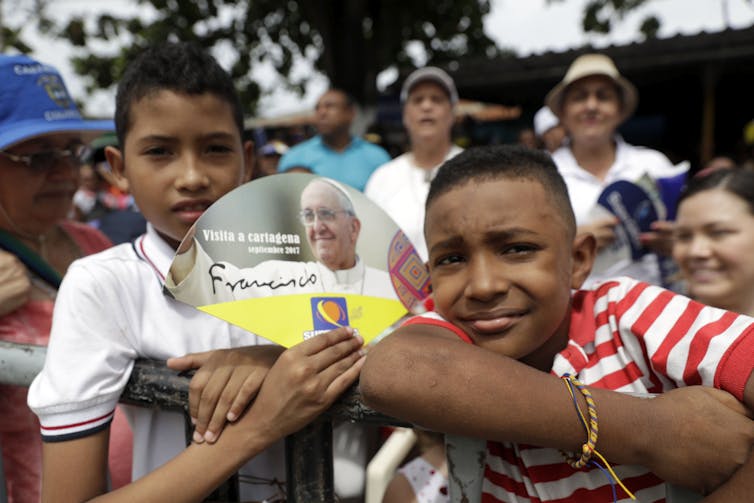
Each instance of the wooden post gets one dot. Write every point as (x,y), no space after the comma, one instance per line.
(709,86)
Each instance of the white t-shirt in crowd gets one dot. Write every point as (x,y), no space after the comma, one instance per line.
(400,188)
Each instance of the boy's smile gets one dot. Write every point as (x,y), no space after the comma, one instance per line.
(502,268)
(182,153)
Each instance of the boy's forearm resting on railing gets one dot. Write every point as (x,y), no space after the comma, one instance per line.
(303,382)
(685,436)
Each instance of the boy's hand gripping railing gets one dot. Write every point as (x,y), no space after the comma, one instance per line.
(153,385)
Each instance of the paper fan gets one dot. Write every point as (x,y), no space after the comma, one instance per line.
(291,256)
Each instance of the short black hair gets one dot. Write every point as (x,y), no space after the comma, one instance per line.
(182,67)
(737,181)
(348,99)
(514,162)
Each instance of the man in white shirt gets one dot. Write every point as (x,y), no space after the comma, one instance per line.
(400,186)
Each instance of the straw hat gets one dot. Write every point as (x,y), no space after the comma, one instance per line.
(586,66)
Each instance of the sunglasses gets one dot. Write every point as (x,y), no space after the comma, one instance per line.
(45,160)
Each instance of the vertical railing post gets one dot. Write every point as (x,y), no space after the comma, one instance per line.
(466,457)
(3,494)
(308,452)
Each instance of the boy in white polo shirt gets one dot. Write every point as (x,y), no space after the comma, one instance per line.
(179,124)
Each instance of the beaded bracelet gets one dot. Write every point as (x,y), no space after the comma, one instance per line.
(589,448)
(591,427)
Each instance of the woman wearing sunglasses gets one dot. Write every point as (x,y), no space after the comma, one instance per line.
(43,143)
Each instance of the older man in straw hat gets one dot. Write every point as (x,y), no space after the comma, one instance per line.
(591,101)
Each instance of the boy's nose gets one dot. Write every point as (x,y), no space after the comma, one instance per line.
(192,176)
(484,281)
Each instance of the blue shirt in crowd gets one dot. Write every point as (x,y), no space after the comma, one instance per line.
(352,166)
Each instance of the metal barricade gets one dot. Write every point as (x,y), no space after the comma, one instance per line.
(154,385)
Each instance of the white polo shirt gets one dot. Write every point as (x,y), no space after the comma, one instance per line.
(111,310)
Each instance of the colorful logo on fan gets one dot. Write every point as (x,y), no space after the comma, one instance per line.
(328,313)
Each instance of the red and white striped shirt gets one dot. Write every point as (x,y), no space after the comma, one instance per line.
(627,336)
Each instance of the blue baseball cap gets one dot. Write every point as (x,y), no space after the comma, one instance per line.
(35,102)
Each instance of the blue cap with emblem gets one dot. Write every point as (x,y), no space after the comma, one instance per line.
(35,102)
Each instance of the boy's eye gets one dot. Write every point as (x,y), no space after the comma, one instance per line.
(519,249)
(156,152)
(219,149)
(449,259)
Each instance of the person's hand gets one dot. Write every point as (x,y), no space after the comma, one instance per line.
(698,437)
(226,382)
(602,229)
(15,286)
(304,382)
(660,239)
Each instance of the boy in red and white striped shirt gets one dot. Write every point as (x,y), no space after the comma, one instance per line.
(504,260)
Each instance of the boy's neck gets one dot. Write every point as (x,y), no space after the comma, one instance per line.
(170,241)
(543,358)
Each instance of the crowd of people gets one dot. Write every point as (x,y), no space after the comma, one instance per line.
(92,214)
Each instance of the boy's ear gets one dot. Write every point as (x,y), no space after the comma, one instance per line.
(114,158)
(248,158)
(583,252)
